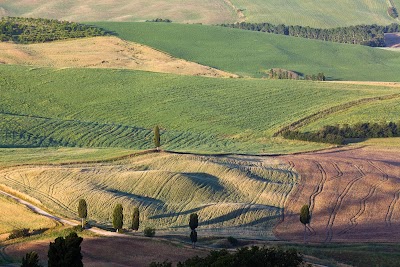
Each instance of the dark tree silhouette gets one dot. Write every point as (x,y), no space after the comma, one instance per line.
(65,252)
(31,259)
(305,218)
(118,217)
(82,211)
(193,224)
(135,219)
(157,140)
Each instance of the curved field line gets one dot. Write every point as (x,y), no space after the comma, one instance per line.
(338,204)
(56,201)
(317,191)
(339,172)
(371,192)
(324,113)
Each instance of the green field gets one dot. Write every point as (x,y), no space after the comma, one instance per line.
(321,13)
(380,111)
(253,53)
(117,108)
(230,194)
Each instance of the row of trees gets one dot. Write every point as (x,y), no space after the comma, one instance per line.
(277,73)
(337,134)
(30,30)
(370,35)
(63,252)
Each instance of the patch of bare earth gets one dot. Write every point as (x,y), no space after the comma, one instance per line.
(102,52)
(112,251)
(353,196)
(392,40)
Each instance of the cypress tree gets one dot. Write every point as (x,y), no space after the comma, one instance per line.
(135,219)
(82,210)
(157,140)
(118,217)
(305,218)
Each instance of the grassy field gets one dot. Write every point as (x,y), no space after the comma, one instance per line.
(15,216)
(380,111)
(117,108)
(253,53)
(190,11)
(237,195)
(317,13)
(21,156)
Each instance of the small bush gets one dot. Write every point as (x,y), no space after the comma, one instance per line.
(161,264)
(233,241)
(24,232)
(77,228)
(149,232)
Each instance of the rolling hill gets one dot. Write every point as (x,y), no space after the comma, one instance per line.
(308,13)
(119,108)
(254,53)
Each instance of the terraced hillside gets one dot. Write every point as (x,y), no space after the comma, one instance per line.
(118,108)
(241,195)
(254,53)
(353,196)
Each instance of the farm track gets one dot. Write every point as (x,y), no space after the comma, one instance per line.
(338,204)
(371,192)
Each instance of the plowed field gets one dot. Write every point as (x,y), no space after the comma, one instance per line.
(353,195)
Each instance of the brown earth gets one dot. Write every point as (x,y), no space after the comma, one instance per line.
(392,40)
(101,52)
(353,195)
(113,251)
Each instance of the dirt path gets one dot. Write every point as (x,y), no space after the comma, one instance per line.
(239,12)
(59,219)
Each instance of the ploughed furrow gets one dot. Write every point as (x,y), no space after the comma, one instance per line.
(318,189)
(338,204)
(339,172)
(371,192)
(393,203)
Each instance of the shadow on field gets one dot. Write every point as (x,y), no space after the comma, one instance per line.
(173,214)
(137,197)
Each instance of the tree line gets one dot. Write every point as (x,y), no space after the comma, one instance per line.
(278,73)
(337,134)
(32,30)
(369,35)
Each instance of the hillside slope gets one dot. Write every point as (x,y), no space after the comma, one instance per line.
(230,194)
(119,108)
(101,52)
(253,53)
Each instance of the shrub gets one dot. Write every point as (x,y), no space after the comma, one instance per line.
(149,232)
(31,259)
(161,264)
(24,232)
(233,241)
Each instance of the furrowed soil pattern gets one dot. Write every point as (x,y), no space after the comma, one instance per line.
(352,193)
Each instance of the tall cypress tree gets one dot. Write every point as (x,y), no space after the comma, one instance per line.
(118,217)
(82,210)
(135,219)
(305,218)
(157,140)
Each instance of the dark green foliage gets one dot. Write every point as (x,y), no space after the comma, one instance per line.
(193,221)
(24,232)
(30,30)
(305,216)
(159,20)
(118,217)
(370,35)
(65,252)
(247,257)
(157,137)
(135,219)
(337,134)
(149,232)
(392,11)
(82,210)
(31,259)
(193,236)
(283,74)
(161,264)
(233,241)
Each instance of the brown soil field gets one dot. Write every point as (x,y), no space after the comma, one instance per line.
(101,52)
(392,40)
(113,251)
(353,194)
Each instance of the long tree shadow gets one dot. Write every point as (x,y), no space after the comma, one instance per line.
(202,179)
(147,200)
(173,214)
